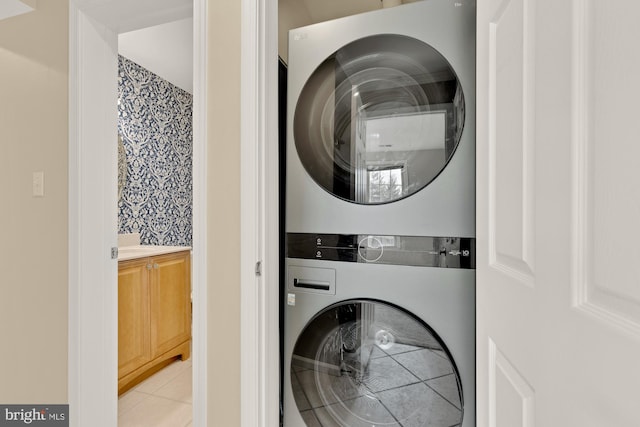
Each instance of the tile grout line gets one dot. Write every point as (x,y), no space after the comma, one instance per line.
(146,395)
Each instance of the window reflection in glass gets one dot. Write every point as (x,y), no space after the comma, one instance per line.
(385,184)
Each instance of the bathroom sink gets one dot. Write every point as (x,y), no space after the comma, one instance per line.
(142,251)
(134,249)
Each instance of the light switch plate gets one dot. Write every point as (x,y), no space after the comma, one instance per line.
(38,184)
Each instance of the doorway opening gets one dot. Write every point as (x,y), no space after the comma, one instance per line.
(155,104)
(93,296)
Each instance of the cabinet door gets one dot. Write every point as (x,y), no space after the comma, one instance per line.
(134,347)
(170,301)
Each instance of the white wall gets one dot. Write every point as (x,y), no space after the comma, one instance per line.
(34,76)
(223,222)
(166,50)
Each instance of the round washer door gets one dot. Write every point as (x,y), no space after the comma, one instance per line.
(379,119)
(370,363)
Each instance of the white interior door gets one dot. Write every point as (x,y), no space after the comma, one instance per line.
(558,208)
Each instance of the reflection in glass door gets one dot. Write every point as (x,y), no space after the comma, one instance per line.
(379,103)
(368,363)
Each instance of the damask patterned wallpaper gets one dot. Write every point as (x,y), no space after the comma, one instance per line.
(155,122)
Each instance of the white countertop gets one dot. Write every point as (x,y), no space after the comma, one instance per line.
(142,251)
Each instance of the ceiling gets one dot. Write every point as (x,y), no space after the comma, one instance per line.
(127,15)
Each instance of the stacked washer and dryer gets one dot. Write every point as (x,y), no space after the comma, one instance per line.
(379,305)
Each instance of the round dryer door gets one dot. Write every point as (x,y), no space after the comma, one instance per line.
(369,363)
(379,119)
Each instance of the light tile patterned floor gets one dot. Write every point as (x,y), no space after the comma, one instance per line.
(162,400)
(404,386)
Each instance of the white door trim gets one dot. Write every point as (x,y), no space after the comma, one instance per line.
(260,380)
(92,367)
(199,256)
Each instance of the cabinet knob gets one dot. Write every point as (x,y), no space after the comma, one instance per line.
(149,266)
(156,266)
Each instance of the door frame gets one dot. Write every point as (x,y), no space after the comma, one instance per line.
(92,341)
(260,353)
(92,367)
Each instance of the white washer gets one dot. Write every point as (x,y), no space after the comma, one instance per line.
(380,219)
(378,345)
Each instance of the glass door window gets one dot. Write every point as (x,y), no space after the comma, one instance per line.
(385,99)
(368,363)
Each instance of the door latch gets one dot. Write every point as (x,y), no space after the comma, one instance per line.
(259,268)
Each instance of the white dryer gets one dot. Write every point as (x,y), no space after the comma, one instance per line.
(381,122)
(379,296)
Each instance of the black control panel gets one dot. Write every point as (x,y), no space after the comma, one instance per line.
(420,251)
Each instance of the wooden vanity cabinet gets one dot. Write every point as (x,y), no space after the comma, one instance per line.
(134,330)
(154,315)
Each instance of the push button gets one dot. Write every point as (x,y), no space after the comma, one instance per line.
(370,249)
